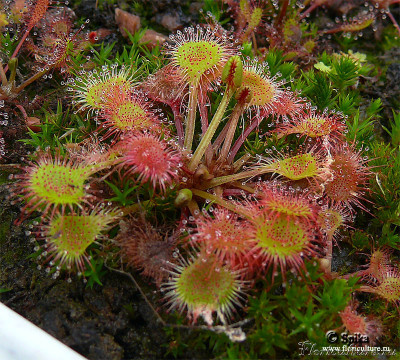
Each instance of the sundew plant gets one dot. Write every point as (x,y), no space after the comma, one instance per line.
(245,171)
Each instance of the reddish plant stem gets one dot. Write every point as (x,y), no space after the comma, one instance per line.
(194,208)
(220,138)
(218,200)
(329,253)
(239,190)
(240,162)
(331,31)
(204,124)
(191,116)
(203,112)
(282,13)
(395,23)
(359,273)
(310,9)
(231,125)
(366,288)
(239,142)
(3,75)
(30,81)
(239,176)
(16,51)
(207,137)
(21,108)
(178,124)
(253,36)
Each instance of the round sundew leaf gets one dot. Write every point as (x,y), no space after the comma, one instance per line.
(202,286)
(197,57)
(330,220)
(68,236)
(289,205)
(261,89)
(346,177)
(352,321)
(37,13)
(73,234)
(282,237)
(130,116)
(357,323)
(379,262)
(149,155)
(389,288)
(150,158)
(224,235)
(314,126)
(232,73)
(102,92)
(297,167)
(59,184)
(95,90)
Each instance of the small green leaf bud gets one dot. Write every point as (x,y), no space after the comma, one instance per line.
(232,74)
(183,198)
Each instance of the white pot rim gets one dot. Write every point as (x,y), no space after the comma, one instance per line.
(22,340)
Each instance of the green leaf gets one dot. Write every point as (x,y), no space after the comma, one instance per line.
(345,73)
(394,131)
(319,89)
(94,273)
(122,195)
(335,295)
(358,129)
(260,307)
